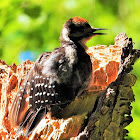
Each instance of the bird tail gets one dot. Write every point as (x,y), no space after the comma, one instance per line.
(31,120)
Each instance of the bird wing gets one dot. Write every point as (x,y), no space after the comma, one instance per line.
(39,90)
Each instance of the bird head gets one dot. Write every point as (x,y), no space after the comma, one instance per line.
(77,29)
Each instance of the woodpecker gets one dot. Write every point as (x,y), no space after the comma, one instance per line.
(56,77)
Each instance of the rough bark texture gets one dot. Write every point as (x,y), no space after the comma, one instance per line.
(100,113)
(112,110)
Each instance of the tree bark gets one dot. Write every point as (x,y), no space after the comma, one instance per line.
(112,109)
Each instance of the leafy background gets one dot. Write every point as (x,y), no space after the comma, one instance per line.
(30,27)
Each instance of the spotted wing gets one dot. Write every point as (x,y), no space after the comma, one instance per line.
(42,92)
(42,89)
(40,98)
(36,96)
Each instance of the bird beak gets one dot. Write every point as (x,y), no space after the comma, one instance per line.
(97,29)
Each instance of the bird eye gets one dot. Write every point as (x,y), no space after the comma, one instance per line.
(82,29)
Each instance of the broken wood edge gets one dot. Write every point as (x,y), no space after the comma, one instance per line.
(112,109)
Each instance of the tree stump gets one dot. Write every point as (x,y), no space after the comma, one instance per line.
(102,111)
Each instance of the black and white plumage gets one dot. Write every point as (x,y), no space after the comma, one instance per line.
(56,78)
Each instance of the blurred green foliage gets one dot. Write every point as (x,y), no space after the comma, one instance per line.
(35,25)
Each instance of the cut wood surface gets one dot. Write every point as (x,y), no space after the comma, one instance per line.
(102,111)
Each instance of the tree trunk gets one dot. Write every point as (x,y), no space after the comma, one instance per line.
(101,113)
(112,110)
